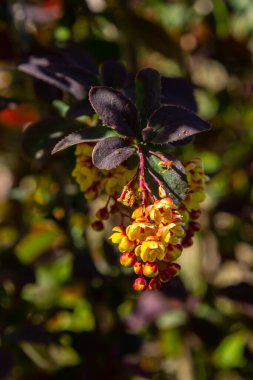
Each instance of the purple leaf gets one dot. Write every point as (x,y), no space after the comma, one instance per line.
(115,110)
(80,75)
(80,108)
(89,134)
(172,123)
(39,68)
(111,152)
(148,91)
(178,91)
(75,55)
(39,138)
(114,74)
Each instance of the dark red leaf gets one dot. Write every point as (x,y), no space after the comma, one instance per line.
(115,110)
(111,152)
(80,108)
(89,134)
(178,91)
(148,91)
(38,68)
(40,138)
(172,123)
(113,74)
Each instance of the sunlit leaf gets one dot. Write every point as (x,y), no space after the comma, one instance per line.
(42,236)
(173,179)
(229,353)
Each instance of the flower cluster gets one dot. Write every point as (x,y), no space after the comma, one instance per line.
(151,243)
(190,207)
(159,232)
(92,180)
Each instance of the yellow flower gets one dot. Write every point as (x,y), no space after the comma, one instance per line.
(140,229)
(114,180)
(118,234)
(120,238)
(161,211)
(84,149)
(150,250)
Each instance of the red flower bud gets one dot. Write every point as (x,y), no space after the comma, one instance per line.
(150,269)
(154,284)
(173,269)
(140,284)
(128,259)
(194,226)
(102,214)
(97,225)
(164,276)
(138,267)
(195,214)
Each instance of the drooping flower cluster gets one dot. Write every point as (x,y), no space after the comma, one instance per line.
(159,232)
(151,243)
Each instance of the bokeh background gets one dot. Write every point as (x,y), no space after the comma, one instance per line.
(67,309)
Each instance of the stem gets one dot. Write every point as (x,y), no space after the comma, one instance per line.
(155,178)
(161,156)
(142,183)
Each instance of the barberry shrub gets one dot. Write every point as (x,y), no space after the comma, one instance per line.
(124,150)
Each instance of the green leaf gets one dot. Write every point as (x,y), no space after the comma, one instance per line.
(91,134)
(229,353)
(42,237)
(174,179)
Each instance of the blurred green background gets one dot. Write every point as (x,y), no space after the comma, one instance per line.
(67,309)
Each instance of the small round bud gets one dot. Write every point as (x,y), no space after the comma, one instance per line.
(128,259)
(138,267)
(154,284)
(173,269)
(140,284)
(195,214)
(97,225)
(150,269)
(194,226)
(164,276)
(102,214)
